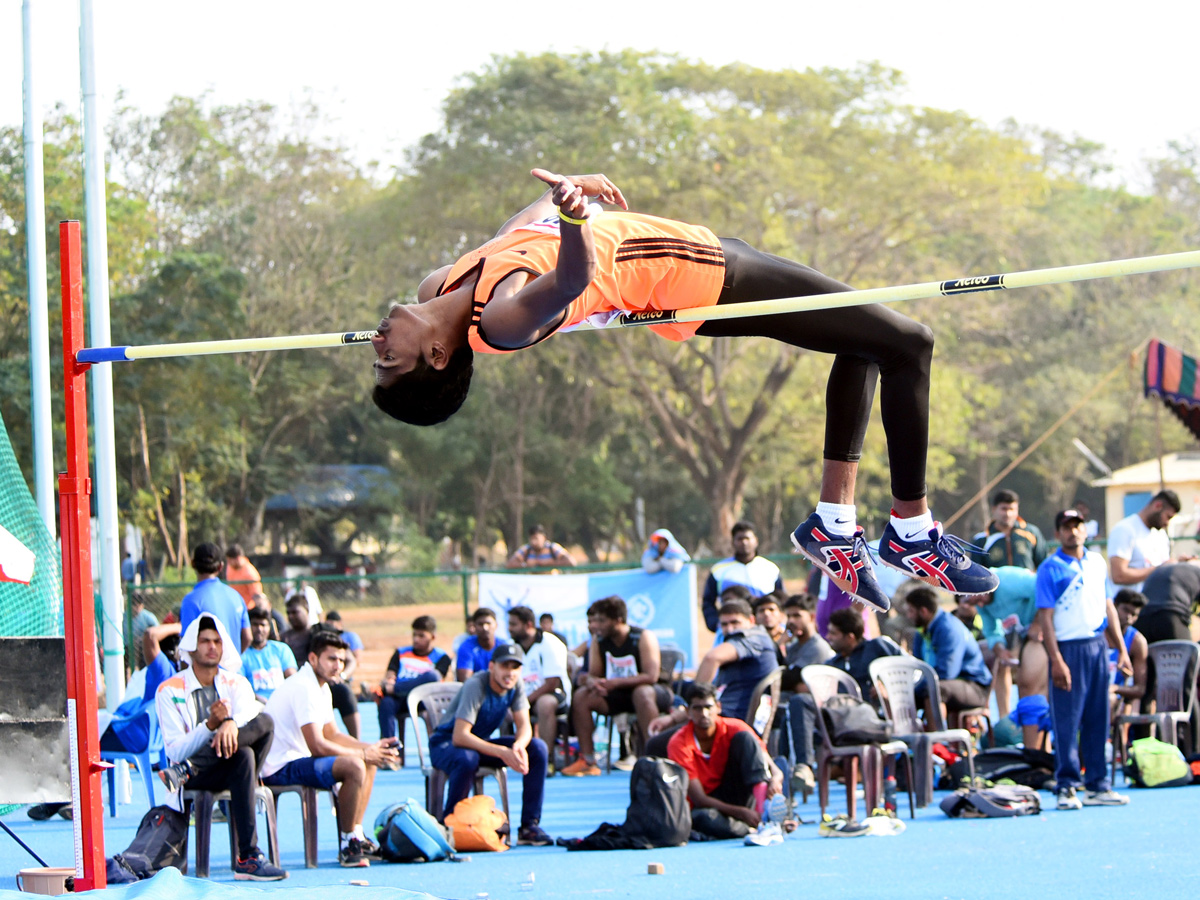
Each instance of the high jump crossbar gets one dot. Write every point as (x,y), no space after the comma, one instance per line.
(971,285)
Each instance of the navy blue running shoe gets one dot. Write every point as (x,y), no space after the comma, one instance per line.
(846,560)
(938,559)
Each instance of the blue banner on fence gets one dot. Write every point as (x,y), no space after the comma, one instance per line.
(663,602)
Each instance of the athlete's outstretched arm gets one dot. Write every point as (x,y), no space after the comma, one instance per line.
(594,186)
(525,307)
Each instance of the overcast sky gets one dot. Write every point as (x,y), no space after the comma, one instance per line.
(1121,74)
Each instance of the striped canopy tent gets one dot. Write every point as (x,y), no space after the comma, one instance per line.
(1171,376)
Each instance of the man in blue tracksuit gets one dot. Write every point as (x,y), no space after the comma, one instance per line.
(1074,612)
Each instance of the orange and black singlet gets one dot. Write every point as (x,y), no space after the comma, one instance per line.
(644,263)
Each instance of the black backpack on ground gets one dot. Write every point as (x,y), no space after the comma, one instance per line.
(1000,802)
(1028,767)
(658,814)
(161,841)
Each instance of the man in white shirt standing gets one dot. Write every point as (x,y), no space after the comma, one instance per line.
(216,737)
(309,750)
(547,685)
(1138,544)
(1074,611)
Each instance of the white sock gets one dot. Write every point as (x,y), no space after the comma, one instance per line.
(838,518)
(916,527)
(358,832)
(347,836)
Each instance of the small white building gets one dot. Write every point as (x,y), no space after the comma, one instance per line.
(1127,490)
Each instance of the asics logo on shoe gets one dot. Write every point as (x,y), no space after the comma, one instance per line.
(843,565)
(926,566)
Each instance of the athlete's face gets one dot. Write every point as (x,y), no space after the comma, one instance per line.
(734,623)
(605,627)
(209,649)
(259,632)
(519,630)
(504,676)
(1126,614)
(800,621)
(769,616)
(399,343)
(1005,515)
(703,712)
(485,630)
(1072,534)
(422,642)
(745,546)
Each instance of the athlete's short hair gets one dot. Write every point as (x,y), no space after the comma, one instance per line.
(425,623)
(925,598)
(611,608)
(803,600)
(736,608)
(739,527)
(1130,597)
(1170,498)
(847,621)
(1004,495)
(425,395)
(522,614)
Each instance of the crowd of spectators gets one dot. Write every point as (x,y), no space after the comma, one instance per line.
(257,693)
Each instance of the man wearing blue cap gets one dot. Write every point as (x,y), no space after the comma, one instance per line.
(463,741)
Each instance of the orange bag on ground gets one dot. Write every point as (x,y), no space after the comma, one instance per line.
(476,825)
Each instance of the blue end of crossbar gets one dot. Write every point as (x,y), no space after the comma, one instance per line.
(102,355)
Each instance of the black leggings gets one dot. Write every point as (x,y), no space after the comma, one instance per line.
(868,342)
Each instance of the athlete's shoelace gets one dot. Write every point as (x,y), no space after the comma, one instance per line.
(860,548)
(955,549)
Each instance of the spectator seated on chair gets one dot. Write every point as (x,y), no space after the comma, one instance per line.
(730,774)
(215,736)
(852,654)
(419,663)
(769,616)
(475,653)
(623,666)
(546,623)
(943,641)
(310,751)
(463,741)
(266,663)
(214,597)
(547,686)
(1127,689)
(806,649)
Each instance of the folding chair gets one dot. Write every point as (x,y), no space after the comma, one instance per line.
(201,803)
(143,760)
(1175,664)
(428,703)
(823,682)
(895,679)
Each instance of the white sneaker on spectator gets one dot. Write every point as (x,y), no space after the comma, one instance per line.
(626,763)
(1104,798)
(767,834)
(1068,800)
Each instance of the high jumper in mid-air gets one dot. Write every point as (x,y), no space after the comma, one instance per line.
(563,261)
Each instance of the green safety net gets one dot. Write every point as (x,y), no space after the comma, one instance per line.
(35,609)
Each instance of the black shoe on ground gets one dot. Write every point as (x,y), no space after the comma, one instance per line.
(352,856)
(40,812)
(532,836)
(257,868)
(370,849)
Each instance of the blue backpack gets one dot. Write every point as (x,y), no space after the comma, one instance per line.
(405,832)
